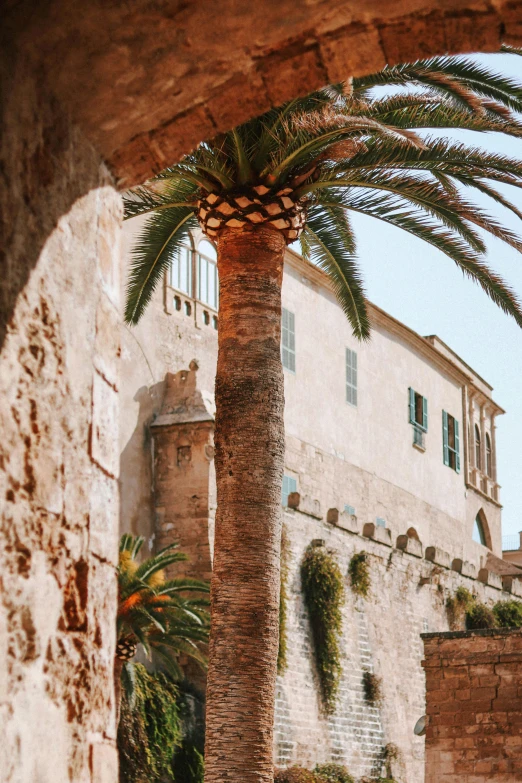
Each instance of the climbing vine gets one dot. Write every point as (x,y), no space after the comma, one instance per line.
(283,603)
(372,686)
(359,573)
(324,595)
(150,727)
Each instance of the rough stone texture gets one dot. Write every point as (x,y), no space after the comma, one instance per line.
(473,705)
(58,482)
(147,81)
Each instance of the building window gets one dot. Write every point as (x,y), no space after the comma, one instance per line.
(489,457)
(478,531)
(351,377)
(288,340)
(289,486)
(206,264)
(380,522)
(180,272)
(349,510)
(450,441)
(478,453)
(418,409)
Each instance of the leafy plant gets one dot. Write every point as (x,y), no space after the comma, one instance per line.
(359,573)
(295,774)
(324,594)
(188,765)
(508,614)
(480,616)
(283,603)
(391,753)
(333,773)
(458,604)
(372,686)
(149,729)
(156,611)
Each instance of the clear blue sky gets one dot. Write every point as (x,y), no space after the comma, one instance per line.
(424,289)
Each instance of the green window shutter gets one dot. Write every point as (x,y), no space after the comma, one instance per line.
(445,446)
(457,447)
(425,414)
(412,405)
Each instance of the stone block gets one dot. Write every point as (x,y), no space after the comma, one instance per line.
(305,504)
(343,520)
(107,344)
(513,585)
(412,546)
(104,763)
(464,568)
(104,435)
(489,578)
(437,556)
(380,534)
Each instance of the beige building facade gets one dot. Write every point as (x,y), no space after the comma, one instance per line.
(390,449)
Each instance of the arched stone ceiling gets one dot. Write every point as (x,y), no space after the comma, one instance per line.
(146,80)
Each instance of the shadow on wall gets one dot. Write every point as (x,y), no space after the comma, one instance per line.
(136,460)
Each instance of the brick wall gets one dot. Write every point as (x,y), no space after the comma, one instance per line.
(474,706)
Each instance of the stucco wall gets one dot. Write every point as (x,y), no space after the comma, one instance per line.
(58,450)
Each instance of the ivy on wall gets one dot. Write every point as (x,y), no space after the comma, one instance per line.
(150,727)
(359,573)
(323,590)
(464,606)
(283,602)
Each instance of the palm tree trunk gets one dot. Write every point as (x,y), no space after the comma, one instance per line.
(249,460)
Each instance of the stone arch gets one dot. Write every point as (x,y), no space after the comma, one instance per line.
(481,529)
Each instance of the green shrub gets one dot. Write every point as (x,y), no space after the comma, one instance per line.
(333,773)
(295,774)
(283,602)
(457,606)
(149,728)
(480,616)
(324,594)
(359,573)
(188,765)
(508,614)
(372,686)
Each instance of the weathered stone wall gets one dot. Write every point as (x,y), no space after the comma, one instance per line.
(474,707)
(58,451)
(381,634)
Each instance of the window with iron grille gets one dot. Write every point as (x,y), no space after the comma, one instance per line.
(288,340)
(289,486)
(351,377)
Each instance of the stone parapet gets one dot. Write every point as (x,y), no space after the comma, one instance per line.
(489,578)
(464,568)
(343,520)
(377,533)
(437,556)
(410,545)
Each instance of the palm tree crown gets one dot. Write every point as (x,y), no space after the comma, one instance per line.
(304,167)
(156,611)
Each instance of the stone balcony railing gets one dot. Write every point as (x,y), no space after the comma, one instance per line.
(484,484)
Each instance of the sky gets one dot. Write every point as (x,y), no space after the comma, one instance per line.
(424,289)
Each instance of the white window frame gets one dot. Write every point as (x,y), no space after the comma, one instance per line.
(289,485)
(288,340)
(351,377)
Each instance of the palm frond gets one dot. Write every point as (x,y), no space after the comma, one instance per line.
(159,240)
(332,249)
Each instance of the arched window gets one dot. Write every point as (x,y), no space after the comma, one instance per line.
(180,272)
(489,457)
(207,274)
(478,455)
(478,531)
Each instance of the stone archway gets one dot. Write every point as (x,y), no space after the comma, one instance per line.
(96,97)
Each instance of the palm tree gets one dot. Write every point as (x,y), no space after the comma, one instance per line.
(301,170)
(157,612)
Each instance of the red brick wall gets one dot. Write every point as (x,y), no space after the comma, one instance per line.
(474,706)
